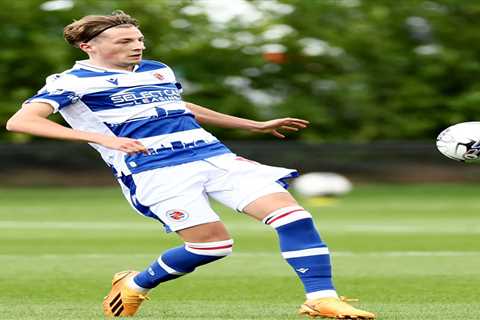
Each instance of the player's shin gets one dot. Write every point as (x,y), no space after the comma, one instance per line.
(304,250)
(179,261)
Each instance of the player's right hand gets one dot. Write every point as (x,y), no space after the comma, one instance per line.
(126,145)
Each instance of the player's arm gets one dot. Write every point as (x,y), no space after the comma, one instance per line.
(207,116)
(32,119)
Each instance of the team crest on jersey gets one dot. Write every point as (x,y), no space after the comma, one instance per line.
(177,215)
(158,76)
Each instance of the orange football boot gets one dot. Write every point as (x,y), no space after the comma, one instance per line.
(333,308)
(122,301)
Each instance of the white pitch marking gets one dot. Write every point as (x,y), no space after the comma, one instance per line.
(260,254)
(470,228)
(382,228)
(80,225)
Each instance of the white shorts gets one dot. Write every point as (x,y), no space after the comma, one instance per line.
(178,195)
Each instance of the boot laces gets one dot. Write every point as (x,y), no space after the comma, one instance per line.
(136,299)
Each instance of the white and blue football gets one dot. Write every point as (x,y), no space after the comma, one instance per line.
(461,141)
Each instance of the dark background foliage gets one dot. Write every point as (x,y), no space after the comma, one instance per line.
(358,70)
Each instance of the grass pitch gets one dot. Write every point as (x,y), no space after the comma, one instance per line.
(408,252)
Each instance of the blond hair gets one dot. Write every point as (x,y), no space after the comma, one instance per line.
(89,27)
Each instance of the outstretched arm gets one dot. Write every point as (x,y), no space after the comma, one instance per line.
(32,119)
(207,116)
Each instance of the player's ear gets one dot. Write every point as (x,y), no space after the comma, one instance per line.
(85,47)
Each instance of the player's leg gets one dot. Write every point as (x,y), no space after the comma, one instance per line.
(300,242)
(191,217)
(303,248)
(204,243)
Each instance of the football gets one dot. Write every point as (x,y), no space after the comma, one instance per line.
(319,184)
(461,141)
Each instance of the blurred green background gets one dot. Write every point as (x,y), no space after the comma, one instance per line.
(359,70)
(378,80)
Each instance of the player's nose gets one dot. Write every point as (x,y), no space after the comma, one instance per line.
(139,46)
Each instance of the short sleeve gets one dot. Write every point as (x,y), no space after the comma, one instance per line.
(54,95)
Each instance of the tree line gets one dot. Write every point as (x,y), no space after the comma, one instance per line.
(357,70)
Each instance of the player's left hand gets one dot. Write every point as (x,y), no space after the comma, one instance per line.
(288,124)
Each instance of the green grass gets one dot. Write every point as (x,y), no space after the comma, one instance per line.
(408,252)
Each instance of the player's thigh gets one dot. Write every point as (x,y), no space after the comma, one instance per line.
(246,183)
(266,204)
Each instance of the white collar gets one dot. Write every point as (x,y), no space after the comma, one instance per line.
(84,64)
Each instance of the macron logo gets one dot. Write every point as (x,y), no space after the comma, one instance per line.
(151,272)
(113,81)
(303,270)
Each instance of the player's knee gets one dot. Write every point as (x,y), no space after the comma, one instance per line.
(218,249)
(285,216)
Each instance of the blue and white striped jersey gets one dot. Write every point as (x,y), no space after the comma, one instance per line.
(143,104)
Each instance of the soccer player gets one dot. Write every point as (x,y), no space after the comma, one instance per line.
(131,111)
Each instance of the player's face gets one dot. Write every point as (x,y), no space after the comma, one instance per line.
(118,47)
